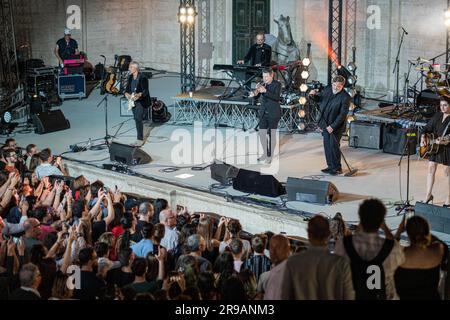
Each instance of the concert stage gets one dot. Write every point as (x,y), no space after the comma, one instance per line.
(301,156)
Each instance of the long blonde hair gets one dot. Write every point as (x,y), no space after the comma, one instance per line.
(205,229)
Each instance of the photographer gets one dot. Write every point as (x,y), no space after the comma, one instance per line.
(47,168)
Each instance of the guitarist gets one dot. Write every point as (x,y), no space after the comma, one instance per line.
(439,125)
(137,92)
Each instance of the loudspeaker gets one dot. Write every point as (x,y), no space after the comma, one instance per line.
(365,135)
(222,172)
(314,191)
(254,182)
(394,140)
(438,217)
(50,121)
(130,155)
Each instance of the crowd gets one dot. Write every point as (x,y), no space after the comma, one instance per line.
(65,237)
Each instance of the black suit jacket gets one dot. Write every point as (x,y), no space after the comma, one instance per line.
(333,109)
(270,102)
(142,87)
(266,55)
(20,294)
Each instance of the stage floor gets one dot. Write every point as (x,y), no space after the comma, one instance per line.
(301,155)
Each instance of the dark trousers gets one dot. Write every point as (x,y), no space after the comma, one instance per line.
(267,129)
(331,144)
(140,114)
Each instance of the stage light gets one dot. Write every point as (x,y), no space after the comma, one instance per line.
(304,87)
(302,113)
(302,101)
(301,126)
(304,75)
(447,22)
(186,15)
(351,66)
(447,14)
(306,61)
(6,117)
(350,80)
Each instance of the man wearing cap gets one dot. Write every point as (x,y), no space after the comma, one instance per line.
(65,47)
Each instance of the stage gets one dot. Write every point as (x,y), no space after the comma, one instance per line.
(301,155)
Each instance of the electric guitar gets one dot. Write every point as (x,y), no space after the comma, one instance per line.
(131,103)
(433,144)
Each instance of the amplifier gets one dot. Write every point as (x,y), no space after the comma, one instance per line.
(394,140)
(366,135)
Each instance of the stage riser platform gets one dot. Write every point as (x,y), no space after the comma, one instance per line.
(255,219)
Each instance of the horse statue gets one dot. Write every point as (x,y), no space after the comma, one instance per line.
(285,49)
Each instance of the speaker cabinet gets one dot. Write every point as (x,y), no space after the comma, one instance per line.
(254,182)
(313,191)
(394,140)
(50,121)
(438,217)
(365,135)
(222,172)
(130,155)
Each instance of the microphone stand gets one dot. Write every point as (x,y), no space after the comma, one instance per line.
(397,67)
(106,138)
(407,207)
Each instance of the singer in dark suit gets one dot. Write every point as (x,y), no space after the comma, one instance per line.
(138,85)
(334,103)
(269,113)
(259,54)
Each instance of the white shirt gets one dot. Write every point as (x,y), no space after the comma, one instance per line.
(170,240)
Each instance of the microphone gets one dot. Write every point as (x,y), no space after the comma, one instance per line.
(102,56)
(404,31)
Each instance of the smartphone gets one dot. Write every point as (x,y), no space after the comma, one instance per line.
(180,208)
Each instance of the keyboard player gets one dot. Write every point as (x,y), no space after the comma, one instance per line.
(259,54)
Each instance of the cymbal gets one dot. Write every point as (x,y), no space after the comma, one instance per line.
(443,91)
(420,60)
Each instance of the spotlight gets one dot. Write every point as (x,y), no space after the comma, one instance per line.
(447,14)
(302,101)
(182,18)
(304,87)
(350,79)
(6,117)
(182,11)
(190,11)
(302,113)
(305,75)
(351,66)
(306,61)
(301,126)
(190,19)
(447,22)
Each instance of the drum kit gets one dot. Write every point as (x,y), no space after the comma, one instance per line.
(437,83)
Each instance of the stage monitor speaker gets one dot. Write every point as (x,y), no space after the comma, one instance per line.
(254,182)
(366,135)
(394,140)
(313,191)
(223,173)
(438,217)
(50,121)
(130,155)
